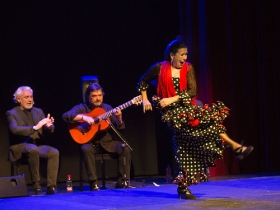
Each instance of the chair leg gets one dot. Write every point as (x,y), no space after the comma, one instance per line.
(81,173)
(15,169)
(12,169)
(103,173)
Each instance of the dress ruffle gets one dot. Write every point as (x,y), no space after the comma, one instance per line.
(196,140)
(183,114)
(196,132)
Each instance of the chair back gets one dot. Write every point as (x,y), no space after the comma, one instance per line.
(85,81)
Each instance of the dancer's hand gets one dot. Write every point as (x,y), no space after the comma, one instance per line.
(165,102)
(147,105)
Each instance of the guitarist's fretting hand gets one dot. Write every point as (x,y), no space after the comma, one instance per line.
(118,114)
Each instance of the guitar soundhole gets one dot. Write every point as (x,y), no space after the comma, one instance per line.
(84,127)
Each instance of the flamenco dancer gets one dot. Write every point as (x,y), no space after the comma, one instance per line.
(198,135)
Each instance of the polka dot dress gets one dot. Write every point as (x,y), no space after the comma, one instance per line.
(196,132)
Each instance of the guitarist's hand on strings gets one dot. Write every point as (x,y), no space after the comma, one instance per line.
(87,119)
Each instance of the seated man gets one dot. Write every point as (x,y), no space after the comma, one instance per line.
(27,125)
(102,140)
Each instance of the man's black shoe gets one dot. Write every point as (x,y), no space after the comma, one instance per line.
(119,185)
(36,187)
(51,190)
(93,185)
(123,184)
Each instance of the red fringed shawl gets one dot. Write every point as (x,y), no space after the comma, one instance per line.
(165,87)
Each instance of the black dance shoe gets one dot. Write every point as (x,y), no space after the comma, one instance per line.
(185,192)
(51,190)
(240,153)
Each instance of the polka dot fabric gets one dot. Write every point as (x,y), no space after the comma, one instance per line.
(196,145)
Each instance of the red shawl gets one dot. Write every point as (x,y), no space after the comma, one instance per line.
(165,87)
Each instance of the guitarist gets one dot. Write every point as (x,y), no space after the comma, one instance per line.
(102,142)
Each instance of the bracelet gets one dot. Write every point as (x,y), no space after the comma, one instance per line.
(34,128)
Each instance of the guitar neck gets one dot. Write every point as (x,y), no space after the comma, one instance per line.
(109,113)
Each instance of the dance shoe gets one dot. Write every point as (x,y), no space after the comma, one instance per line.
(240,153)
(185,193)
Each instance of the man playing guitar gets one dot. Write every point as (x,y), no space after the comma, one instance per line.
(95,135)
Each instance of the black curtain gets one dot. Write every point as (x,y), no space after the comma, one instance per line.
(50,45)
(234,47)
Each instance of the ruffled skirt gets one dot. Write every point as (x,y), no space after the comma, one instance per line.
(196,130)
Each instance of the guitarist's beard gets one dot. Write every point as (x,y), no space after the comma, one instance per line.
(93,106)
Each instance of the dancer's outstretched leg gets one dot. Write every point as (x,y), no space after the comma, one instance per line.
(240,150)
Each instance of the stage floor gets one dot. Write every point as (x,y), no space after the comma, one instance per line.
(252,191)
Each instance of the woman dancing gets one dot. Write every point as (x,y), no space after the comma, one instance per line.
(198,135)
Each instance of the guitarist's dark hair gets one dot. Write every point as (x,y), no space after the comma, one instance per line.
(92,87)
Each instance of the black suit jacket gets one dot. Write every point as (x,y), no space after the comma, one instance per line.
(21,132)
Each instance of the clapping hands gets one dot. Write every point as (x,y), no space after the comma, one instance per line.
(48,121)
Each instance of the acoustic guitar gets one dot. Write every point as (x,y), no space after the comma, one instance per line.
(82,132)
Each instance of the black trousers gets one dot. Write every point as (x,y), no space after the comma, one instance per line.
(34,153)
(124,158)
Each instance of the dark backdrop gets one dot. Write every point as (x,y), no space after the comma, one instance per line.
(233,45)
(50,45)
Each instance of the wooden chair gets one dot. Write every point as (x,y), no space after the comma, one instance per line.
(15,166)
